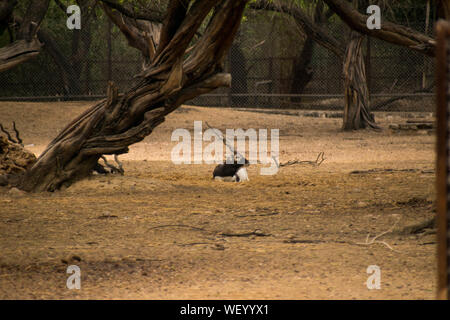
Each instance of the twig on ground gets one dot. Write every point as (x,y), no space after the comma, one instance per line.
(119,164)
(113,168)
(178,225)
(257,215)
(320,158)
(193,244)
(257,233)
(374,239)
(383,170)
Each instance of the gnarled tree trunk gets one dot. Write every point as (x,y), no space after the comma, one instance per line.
(172,77)
(356,96)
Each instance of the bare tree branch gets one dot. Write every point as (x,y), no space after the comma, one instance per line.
(390,32)
(32,19)
(316,32)
(176,12)
(18,52)
(153,16)
(136,37)
(62,6)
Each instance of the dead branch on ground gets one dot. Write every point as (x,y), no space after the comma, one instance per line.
(17,140)
(257,233)
(374,240)
(320,158)
(113,168)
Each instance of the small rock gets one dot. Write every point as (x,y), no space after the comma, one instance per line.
(3,181)
(362,204)
(394,126)
(71,259)
(16,192)
(259,232)
(219,246)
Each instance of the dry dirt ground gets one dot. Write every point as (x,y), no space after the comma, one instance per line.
(166,231)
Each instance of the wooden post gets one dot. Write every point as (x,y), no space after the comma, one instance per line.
(442,164)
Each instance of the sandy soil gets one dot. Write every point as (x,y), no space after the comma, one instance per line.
(166,231)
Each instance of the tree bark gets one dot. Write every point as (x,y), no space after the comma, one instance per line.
(32,19)
(444,9)
(18,52)
(115,123)
(144,36)
(356,96)
(14,158)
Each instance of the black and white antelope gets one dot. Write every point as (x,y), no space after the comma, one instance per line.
(234,169)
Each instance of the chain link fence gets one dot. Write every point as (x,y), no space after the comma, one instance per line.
(272,65)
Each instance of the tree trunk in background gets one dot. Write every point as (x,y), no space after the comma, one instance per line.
(71,68)
(444,9)
(6,10)
(356,94)
(302,71)
(172,78)
(26,45)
